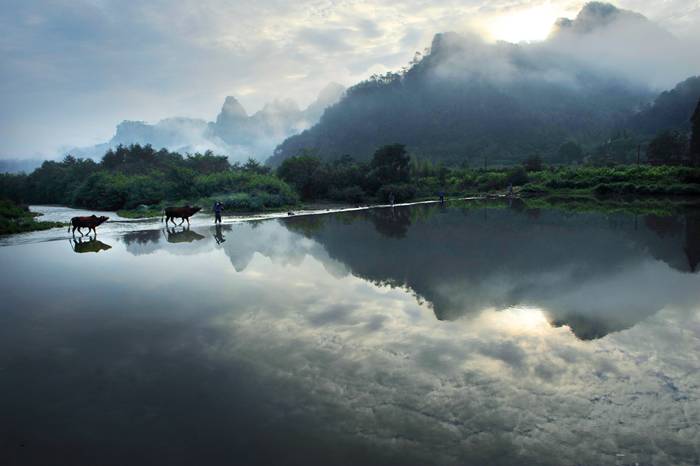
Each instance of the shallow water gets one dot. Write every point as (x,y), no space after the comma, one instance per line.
(413,335)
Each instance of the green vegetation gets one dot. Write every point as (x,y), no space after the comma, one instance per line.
(141,212)
(128,178)
(18,219)
(391,171)
(139,182)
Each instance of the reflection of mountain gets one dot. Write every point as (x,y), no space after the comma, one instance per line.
(594,273)
(234,133)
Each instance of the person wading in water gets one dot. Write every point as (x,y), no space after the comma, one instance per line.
(218,208)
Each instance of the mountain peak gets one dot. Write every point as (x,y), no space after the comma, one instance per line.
(232,108)
(593,16)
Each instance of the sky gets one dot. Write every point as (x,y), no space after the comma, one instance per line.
(71,70)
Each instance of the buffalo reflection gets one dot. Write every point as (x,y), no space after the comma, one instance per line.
(184,235)
(81,245)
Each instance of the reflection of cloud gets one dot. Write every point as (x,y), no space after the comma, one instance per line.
(577,267)
(288,354)
(473,390)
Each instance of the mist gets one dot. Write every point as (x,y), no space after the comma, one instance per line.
(71,71)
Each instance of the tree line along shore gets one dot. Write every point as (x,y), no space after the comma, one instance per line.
(138,181)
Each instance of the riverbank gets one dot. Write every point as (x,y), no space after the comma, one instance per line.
(18,219)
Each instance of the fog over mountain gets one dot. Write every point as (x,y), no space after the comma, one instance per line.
(466,98)
(234,133)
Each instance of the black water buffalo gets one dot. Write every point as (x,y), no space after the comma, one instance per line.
(91,222)
(171,213)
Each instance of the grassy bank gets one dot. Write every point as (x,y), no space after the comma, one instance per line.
(18,219)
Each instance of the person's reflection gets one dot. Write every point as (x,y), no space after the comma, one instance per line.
(218,234)
(182,235)
(87,244)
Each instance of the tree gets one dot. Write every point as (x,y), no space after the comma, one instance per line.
(253,166)
(390,164)
(303,172)
(533,163)
(667,148)
(570,152)
(694,151)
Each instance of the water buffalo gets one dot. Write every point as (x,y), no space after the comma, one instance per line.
(90,223)
(171,213)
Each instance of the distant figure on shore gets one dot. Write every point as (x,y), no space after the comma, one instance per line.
(218,209)
(442,197)
(391,199)
(91,222)
(510,190)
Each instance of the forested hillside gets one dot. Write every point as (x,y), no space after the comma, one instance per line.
(467,101)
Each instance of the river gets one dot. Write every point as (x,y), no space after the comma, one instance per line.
(460,334)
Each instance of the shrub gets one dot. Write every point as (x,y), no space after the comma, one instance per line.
(402,192)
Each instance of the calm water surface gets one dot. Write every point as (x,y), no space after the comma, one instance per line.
(420,335)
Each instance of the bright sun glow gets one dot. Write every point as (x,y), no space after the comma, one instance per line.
(533,24)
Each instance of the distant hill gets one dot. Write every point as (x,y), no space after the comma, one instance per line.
(467,99)
(19,165)
(233,133)
(670,110)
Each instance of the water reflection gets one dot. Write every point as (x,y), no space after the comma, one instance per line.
(318,336)
(463,260)
(182,235)
(87,244)
(218,234)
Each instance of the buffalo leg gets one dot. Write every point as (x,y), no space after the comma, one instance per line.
(181,221)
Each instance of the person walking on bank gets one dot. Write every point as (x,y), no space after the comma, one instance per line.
(218,208)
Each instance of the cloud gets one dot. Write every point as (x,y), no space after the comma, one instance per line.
(71,70)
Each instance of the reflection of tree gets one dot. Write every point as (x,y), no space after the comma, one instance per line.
(305,225)
(391,223)
(142,237)
(669,227)
(664,226)
(692,240)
